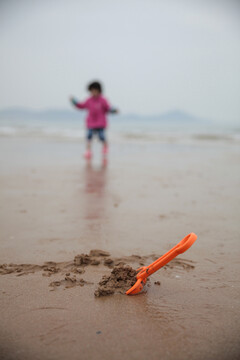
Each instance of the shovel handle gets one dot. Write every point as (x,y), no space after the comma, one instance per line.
(180,248)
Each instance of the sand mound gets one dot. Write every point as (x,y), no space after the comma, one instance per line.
(122,276)
(120,280)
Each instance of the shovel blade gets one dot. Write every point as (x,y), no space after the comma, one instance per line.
(136,288)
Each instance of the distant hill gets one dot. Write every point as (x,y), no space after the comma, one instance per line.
(18,113)
(178,115)
(170,116)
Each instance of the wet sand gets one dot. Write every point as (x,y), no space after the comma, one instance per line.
(53,207)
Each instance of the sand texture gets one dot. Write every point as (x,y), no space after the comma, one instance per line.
(121,278)
(72,231)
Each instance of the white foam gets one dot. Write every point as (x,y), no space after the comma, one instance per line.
(7,131)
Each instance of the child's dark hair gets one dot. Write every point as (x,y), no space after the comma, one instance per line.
(95,86)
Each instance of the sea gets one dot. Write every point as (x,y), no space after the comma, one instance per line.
(126,129)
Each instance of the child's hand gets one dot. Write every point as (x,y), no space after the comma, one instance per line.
(73,100)
(113,111)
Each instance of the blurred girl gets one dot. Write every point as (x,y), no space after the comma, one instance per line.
(96,121)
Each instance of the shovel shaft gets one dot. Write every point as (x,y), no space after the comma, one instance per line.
(181,247)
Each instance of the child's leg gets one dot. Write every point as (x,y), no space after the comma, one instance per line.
(102,138)
(88,145)
(88,153)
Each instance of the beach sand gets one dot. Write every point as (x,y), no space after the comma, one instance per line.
(54,206)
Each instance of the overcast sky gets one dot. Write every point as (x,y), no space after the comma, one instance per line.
(152,56)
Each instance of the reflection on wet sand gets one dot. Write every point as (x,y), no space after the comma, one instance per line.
(93,201)
(95,179)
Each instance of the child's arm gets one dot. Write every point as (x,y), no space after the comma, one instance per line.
(79,105)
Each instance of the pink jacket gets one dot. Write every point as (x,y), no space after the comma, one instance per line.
(97,108)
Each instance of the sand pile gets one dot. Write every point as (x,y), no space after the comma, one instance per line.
(120,280)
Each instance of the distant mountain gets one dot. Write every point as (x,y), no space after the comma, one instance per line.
(170,116)
(179,116)
(16,113)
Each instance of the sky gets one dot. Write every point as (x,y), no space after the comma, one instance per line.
(152,56)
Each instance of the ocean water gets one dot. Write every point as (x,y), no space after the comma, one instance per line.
(125,131)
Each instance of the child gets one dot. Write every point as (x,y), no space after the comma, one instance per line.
(96,121)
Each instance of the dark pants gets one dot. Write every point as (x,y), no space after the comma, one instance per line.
(99,131)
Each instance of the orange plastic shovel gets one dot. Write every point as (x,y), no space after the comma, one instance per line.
(146,271)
